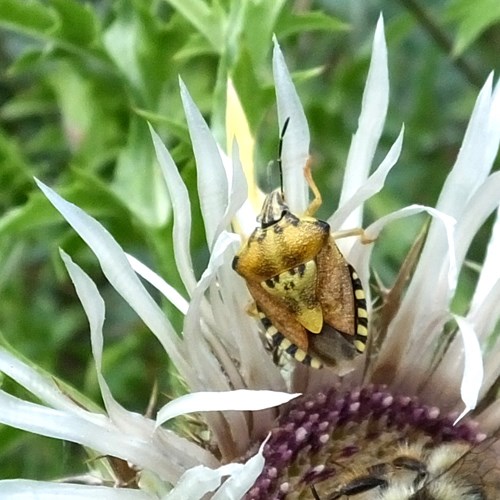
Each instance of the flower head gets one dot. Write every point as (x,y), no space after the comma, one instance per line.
(377,428)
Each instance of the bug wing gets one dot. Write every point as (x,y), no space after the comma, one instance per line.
(335,289)
(333,347)
(284,322)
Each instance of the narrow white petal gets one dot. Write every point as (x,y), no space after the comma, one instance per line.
(478,208)
(239,400)
(360,254)
(490,272)
(468,174)
(212,180)
(135,426)
(213,369)
(181,210)
(297,138)
(404,329)
(130,423)
(92,303)
(472,377)
(117,270)
(484,315)
(243,479)
(426,302)
(40,384)
(102,437)
(198,481)
(370,187)
(93,306)
(239,186)
(201,356)
(370,125)
(493,126)
(25,489)
(237,192)
(470,169)
(168,291)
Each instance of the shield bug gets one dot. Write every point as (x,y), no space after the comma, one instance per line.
(308,297)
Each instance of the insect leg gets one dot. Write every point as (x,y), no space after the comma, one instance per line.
(279,341)
(317,200)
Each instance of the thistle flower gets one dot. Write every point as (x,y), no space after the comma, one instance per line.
(394,426)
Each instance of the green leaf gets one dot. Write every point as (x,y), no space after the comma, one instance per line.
(176,128)
(208,21)
(15,174)
(26,106)
(77,22)
(259,24)
(85,190)
(88,105)
(291,23)
(196,46)
(473,19)
(66,23)
(30,17)
(138,179)
(139,47)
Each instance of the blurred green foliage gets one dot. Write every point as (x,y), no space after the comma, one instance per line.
(80,79)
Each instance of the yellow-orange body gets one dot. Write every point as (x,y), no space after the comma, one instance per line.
(309,298)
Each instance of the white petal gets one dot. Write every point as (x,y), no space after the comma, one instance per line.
(296,140)
(212,181)
(468,174)
(40,384)
(117,270)
(239,400)
(201,356)
(484,315)
(243,479)
(360,254)
(25,489)
(490,272)
(470,169)
(93,306)
(404,330)
(238,192)
(168,291)
(128,423)
(370,126)
(198,481)
(370,187)
(181,210)
(472,377)
(478,208)
(102,437)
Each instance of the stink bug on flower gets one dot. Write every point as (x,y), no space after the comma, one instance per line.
(309,299)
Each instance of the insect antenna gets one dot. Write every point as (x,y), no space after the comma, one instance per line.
(280,150)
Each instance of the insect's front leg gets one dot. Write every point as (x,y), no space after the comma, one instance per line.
(356,231)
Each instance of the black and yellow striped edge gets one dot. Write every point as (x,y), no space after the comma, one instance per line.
(361,314)
(279,341)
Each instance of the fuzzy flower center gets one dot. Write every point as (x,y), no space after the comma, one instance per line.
(366,443)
